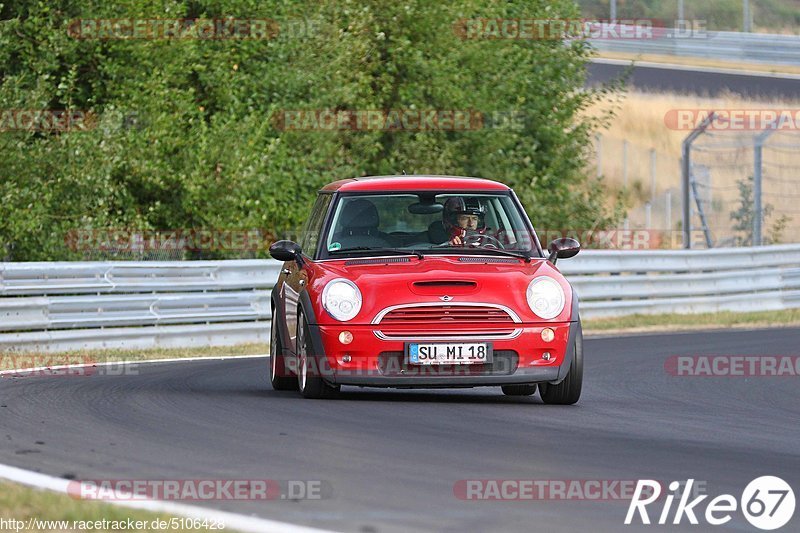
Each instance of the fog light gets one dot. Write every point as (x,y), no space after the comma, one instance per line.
(345,337)
(548,335)
(546,356)
(346,358)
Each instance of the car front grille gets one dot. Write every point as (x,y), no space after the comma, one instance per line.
(434,321)
(446,314)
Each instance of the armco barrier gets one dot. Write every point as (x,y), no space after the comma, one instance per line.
(615,283)
(730,46)
(68,306)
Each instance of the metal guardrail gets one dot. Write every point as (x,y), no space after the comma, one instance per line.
(616,283)
(136,305)
(67,306)
(722,45)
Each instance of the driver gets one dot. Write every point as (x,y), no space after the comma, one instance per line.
(463,217)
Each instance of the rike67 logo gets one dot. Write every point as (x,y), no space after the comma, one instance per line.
(767,503)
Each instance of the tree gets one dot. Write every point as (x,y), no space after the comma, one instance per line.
(185,136)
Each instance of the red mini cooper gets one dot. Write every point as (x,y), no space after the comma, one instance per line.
(424,282)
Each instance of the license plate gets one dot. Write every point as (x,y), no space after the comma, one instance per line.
(449,354)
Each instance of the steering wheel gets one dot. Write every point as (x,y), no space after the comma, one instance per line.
(481,239)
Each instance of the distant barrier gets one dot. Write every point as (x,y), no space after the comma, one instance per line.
(730,46)
(97,305)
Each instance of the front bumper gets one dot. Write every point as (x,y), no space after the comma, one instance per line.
(378,361)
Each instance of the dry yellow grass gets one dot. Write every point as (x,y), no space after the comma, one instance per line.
(640,120)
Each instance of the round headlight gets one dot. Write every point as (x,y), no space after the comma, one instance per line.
(341,299)
(545,297)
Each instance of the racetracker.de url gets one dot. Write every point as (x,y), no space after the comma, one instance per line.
(128,524)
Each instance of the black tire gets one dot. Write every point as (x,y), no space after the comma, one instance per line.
(309,382)
(568,391)
(279,376)
(519,390)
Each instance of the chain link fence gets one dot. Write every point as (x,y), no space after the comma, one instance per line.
(746,188)
(735,192)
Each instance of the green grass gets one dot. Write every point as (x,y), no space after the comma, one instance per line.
(672,322)
(20,502)
(19,359)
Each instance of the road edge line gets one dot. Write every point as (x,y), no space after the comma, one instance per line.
(234,521)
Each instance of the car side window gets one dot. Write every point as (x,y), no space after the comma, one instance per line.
(313,227)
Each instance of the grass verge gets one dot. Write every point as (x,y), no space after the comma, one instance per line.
(684,322)
(43,510)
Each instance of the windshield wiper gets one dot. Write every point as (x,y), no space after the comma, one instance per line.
(496,251)
(395,251)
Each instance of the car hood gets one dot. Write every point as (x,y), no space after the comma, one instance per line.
(392,281)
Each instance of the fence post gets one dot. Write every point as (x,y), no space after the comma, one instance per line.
(747,17)
(757,210)
(668,209)
(599,139)
(625,164)
(686,169)
(758,154)
(652,175)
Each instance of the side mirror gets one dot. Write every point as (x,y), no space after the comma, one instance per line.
(563,248)
(285,250)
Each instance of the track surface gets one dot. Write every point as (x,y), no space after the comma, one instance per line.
(655,79)
(392,457)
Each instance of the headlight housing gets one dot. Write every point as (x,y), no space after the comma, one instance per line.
(545,297)
(341,299)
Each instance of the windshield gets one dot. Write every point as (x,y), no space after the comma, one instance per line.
(430,223)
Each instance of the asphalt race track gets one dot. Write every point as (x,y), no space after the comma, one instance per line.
(664,79)
(391,458)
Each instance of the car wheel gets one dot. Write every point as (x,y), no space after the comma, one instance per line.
(309,380)
(519,390)
(569,390)
(278,373)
